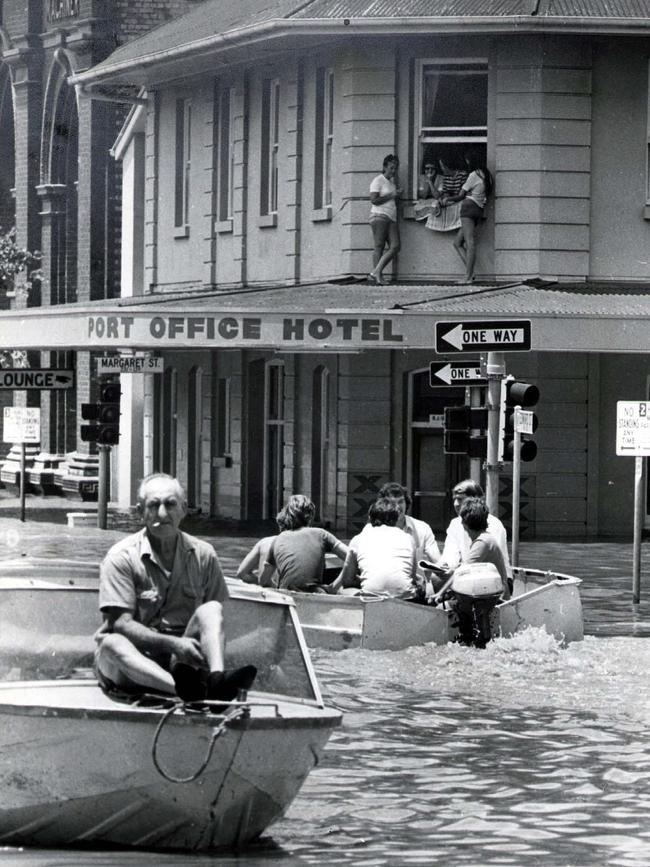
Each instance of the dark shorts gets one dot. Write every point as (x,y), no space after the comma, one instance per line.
(469,210)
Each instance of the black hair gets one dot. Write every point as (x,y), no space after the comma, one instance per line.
(298,512)
(474,514)
(395,490)
(383,511)
(476,163)
(390,158)
(469,488)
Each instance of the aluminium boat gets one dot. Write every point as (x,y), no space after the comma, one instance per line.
(79,767)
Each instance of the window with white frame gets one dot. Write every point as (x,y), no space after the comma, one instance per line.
(182,162)
(270,146)
(324,138)
(225,153)
(452,106)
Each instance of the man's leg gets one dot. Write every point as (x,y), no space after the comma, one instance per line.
(206,625)
(122,663)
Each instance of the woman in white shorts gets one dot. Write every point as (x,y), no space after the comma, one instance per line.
(383,218)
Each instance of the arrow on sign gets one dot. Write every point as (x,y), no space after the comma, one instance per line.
(490,335)
(64,378)
(455,373)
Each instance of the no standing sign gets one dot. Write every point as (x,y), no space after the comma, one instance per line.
(633,428)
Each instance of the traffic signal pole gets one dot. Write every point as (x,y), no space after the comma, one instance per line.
(475,463)
(496,368)
(103,486)
(516,493)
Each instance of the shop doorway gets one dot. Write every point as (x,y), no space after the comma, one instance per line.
(431,474)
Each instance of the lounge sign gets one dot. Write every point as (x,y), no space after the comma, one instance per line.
(237,330)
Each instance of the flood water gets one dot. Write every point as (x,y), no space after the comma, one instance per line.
(525,753)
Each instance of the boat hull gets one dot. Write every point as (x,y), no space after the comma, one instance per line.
(546,599)
(89,777)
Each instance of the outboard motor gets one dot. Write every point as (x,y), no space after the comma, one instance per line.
(478,588)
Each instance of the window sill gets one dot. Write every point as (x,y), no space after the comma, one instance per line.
(181,231)
(646,212)
(223,227)
(267,221)
(321,215)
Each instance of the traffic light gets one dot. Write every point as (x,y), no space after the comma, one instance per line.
(459,421)
(524,395)
(107,413)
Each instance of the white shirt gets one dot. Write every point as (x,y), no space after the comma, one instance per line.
(474,186)
(458,542)
(385,559)
(383,186)
(426,547)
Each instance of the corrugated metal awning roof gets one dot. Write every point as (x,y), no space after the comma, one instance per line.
(333,317)
(225,25)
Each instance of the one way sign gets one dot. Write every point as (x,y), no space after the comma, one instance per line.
(455,373)
(491,335)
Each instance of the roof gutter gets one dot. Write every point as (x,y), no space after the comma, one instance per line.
(278,28)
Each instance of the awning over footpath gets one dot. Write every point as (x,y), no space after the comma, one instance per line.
(331,317)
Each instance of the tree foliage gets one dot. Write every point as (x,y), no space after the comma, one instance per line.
(19,268)
(20,271)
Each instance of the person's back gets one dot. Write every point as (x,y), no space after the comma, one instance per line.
(299,557)
(385,556)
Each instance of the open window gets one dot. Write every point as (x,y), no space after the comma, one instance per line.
(452,111)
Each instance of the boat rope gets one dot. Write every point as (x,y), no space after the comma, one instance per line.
(217,731)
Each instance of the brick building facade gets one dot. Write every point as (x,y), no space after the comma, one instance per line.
(61,189)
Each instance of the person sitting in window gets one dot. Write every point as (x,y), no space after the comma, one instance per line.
(428,191)
(451,176)
(473,196)
(295,558)
(381,558)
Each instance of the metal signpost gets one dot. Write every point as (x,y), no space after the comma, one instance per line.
(22,425)
(633,439)
(523,424)
(494,337)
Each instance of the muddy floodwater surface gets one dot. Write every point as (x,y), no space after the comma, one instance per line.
(525,753)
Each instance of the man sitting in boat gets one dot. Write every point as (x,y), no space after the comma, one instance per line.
(481,581)
(426,547)
(484,548)
(295,558)
(161,593)
(458,541)
(382,558)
